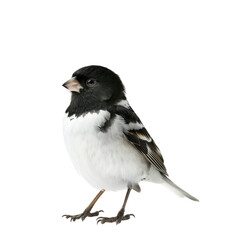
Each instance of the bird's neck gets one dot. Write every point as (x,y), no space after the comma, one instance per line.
(81,105)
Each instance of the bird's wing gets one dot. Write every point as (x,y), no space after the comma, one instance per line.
(144,143)
(139,137)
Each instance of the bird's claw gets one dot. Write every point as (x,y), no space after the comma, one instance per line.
(82,216)
(116,219)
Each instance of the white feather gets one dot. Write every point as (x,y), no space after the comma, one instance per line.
(124,103)
(105,159)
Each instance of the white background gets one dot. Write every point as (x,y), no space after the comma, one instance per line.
(179,61)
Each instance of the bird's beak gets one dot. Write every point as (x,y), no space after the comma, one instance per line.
(73,85)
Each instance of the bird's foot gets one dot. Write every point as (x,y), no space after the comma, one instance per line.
(83,215)
(120,217)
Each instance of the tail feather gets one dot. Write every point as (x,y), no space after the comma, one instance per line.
(177,189)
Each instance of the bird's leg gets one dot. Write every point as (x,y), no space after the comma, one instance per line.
(87,211)
(120,216)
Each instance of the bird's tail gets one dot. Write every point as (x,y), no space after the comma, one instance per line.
(168,183)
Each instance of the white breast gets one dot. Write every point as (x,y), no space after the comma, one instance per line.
(105,159)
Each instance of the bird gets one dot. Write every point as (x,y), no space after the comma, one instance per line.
(107,142)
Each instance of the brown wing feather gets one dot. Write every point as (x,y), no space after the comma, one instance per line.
(144,144)
(140,138)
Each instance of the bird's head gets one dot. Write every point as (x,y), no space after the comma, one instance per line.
(97,84)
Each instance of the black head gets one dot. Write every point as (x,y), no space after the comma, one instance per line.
(94,88)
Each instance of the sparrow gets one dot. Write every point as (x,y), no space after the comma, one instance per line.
(107,142)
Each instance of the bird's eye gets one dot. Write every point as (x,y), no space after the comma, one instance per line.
(90,82)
